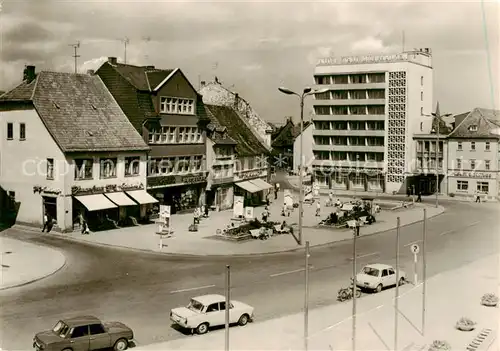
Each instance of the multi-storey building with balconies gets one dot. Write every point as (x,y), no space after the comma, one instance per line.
(364,123)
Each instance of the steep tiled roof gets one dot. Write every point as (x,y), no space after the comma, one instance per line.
(247,143)
(485,120)
(81,114)
(142,78)
(22,92)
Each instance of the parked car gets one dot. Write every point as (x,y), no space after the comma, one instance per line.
(209,311)
(378,276)
(82,334)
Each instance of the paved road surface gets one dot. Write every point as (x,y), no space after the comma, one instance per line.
(140,289)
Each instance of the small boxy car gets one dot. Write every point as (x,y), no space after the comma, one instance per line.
(85,333)
(378,276)
(209,311)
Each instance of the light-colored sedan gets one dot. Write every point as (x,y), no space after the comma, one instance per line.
(378,276)
(209,311)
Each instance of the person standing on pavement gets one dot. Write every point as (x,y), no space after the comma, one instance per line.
(419,197)
(45,222)
(478,197)
(276,190)
(265,215)
(318,208)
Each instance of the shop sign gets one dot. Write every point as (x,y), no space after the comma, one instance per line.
(45,190)
(250,174)
(193,179)
(345,60)
(110,188)
(471,174)
(161,180)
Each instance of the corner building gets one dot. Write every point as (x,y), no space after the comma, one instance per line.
(364,123)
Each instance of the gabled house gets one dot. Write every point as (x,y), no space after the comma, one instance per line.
(283,143)
(237,157)
(215,93)
(168,112)
(68,149)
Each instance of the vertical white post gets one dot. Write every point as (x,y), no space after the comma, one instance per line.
(306,298)
(424,270)
(228,304)
(396,300)
(415,279)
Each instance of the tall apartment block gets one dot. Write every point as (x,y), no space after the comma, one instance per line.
(364,123)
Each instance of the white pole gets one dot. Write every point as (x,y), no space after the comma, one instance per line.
(396,299)
(228,304)
(415,279)
(306,298)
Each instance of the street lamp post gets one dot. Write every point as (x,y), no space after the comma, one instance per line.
(307,91)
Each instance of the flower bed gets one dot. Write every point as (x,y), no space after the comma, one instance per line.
(465,324)
(242,232)
(439,345)
(489,299)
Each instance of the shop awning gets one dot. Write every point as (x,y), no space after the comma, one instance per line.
(250,187)
(142,197)
(263,185)
(120,199)
(95,202)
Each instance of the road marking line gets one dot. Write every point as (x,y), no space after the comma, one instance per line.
(362,256)
(413,242)
(191,289)
(454,230)
(290,272)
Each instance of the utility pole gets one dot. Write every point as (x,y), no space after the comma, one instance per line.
(125,42)
(306,298)
(424,270)
(75,55)
(228,305)
(396,300)
(354,284)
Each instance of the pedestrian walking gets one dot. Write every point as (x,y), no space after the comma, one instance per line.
(206,211)
(419,197)
(85,227)
(318,208)
(265,214)
(408,192)
(45,222)
(196,216)
(478,196)
(330,199)
(50,224)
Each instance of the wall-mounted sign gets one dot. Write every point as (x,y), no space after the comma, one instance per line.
(471,174)
(238,209)
(344,60)
(251,174)
(194,179)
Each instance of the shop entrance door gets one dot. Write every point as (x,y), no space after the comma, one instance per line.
(50,207)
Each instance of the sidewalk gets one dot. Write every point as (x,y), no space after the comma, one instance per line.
(294,183)
(24,263)
(450,296)
(206,242)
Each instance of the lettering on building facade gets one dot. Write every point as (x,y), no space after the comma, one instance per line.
(110,188)
(250,174)
(45,190)
(345,60)
(471,174)
(194,179)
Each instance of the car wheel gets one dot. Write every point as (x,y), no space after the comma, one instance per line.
(243,320)
(378,288)
(120,345)
(202,328)
(358,293)
(401,281)
(67,350)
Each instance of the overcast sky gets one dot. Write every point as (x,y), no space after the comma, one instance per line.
(255,47)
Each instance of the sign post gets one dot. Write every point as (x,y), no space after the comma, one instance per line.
(415,249)
(164,222)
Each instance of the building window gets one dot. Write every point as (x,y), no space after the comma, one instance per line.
(376,77)
(83,169)
(10,131)
(108,168)
(473,164)
(459,163)
(487,146)
(164,166)
(357,94)
(183,164)
(176,105)
(459,146)
(473,146)
(357,110)
(155,136)
(376,109)
(322,80)
(462,185)
(487,165)
(322,96)
(322,125)
(341,79)
(132,166)
(473,128)
(340,95)
(50,168)
(358,180)
(482,187)
(196,166)
(376,94)
(422,80)
(322,110)
(358,78)
(339,110)
(22,131)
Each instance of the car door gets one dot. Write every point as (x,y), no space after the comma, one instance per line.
(384,278)
(79,338)
(232,315)
(214,315)
(392,277)
(99,338)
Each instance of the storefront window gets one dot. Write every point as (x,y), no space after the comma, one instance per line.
(357,180)
(482,187)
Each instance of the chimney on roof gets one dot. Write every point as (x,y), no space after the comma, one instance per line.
(203,83)
(112,60)
(150,67)
(90,72)
(236,100)
(29,74)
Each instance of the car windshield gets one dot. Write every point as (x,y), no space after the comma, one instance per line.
(60,329)
(371,271)
(195,306)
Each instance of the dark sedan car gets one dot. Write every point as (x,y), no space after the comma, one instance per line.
(84,333)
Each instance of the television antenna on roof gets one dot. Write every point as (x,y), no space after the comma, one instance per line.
(125,41)
(76,56)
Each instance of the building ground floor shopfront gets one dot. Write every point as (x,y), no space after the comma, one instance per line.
(348,179)
(254,191)
(470,183)
(425,183)
(220,196)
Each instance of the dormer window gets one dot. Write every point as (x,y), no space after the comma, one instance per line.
(176,105)
(473,128)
